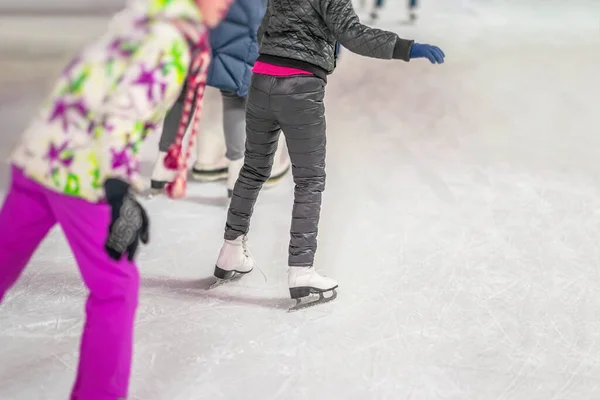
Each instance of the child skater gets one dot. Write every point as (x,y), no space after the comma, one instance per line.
(234,50)
(297,47)
(78,163)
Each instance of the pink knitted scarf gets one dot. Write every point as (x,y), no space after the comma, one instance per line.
(196,83)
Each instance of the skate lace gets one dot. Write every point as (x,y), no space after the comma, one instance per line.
(245,246)
(247,254)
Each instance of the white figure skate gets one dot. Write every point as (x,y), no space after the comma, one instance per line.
(304,281)
(161,175)
(234,261)
(212,165)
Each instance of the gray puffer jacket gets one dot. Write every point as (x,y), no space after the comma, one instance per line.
(303,34)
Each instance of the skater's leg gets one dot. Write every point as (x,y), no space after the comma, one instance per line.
(302,120)
(412,12)
(107,340)
(234,125)
(161,175)
(171,124)
(281,163)
(234,128)
(211,164)
(376,7)
(262,134)
(25,220)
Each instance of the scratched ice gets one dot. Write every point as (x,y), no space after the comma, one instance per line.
(461,218)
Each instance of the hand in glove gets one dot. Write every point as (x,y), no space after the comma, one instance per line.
(432,53)
(129,222)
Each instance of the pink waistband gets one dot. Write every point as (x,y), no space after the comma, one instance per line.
(276,70)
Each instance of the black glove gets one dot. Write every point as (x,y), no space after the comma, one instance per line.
(129,221)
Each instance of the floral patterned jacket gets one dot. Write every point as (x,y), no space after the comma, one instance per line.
(108,99)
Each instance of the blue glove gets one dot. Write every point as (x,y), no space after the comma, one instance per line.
(432,53)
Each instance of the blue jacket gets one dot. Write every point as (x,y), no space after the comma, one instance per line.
(235,47)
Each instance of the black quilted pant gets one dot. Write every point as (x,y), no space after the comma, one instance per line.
(295,106)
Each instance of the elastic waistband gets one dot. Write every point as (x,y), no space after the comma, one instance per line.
(288,62)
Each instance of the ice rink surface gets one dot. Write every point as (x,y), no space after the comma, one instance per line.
(461,218)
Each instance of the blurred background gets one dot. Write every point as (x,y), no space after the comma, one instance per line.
(501,49)
(465,233)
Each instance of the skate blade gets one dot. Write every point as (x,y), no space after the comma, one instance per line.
(219,282)
(209,176)
(300,305)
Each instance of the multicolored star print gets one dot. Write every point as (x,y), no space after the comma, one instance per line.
(107,100)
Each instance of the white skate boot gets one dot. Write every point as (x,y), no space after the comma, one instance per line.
(304,281)
(211,163)
(234,261)
(232,175)
(161,175)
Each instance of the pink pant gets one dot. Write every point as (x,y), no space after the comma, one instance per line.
(29,212)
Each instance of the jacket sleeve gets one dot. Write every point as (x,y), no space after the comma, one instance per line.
(342,21)
(265,22)
(147,89)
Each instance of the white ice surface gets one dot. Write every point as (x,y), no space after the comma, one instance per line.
(461,218)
